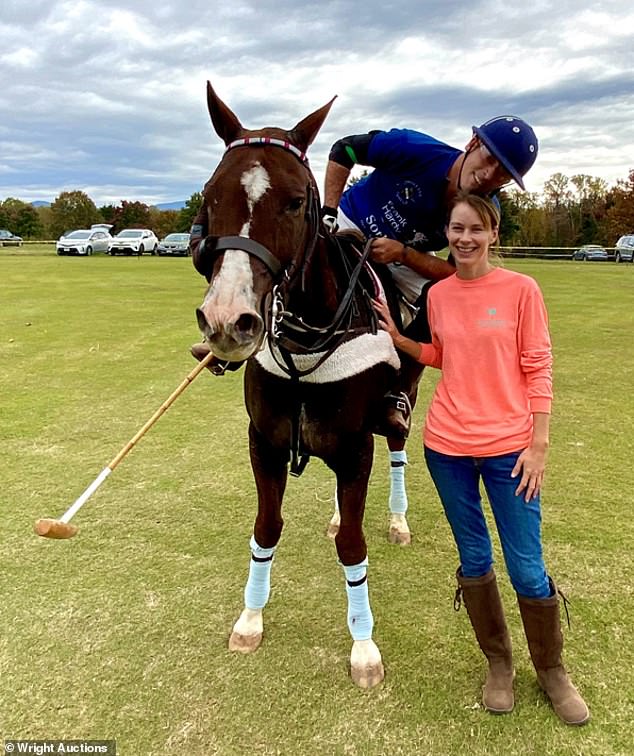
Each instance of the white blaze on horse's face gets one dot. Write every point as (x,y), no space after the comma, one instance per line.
(231,324)
(255,182)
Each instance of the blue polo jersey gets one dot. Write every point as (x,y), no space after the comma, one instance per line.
(404,198)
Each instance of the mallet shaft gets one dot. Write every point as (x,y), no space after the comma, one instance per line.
(59,528)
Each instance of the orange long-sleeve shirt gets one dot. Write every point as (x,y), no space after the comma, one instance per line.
(490,339)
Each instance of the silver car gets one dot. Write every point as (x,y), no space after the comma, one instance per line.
(590,252)
(174,244)
(83,242)
(624,251)
(7,238)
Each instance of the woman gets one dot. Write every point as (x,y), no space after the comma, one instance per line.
(489,420)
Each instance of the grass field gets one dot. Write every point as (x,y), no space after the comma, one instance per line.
(122,631)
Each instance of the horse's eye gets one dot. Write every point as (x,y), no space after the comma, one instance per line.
(296,203)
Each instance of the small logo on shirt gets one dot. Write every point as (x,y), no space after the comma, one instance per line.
(408,192)
(492,321)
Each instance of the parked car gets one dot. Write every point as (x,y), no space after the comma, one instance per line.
(9,239)
(625,249)
(134,241)
(590,252)
(83,241)
(174,244)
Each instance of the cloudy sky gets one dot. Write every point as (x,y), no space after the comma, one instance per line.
(109,97)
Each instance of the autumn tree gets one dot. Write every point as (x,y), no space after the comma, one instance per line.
(163,222)
(72,210)
(132,215)
(588,207)
(619,215)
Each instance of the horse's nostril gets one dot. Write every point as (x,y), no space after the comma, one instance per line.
(202,320)
(247,324)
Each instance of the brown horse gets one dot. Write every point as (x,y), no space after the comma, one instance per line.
(286,296)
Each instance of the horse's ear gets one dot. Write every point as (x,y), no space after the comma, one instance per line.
(224,120)
(305,132)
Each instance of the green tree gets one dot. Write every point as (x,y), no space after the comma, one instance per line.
(189,212)
(72,210)
(108,213)
(20,217)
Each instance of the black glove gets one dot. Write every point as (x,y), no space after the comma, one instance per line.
(329,218)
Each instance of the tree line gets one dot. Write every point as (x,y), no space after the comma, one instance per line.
(571,211)
(74,209)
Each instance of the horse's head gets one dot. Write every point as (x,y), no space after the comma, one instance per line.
(262,215)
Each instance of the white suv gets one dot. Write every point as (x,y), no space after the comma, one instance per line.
(625,249)
(134,241)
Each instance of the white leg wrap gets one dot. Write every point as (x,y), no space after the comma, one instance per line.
(360,620)
(258,587)
(398,494)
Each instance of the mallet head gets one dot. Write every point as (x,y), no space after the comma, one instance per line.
(49,528)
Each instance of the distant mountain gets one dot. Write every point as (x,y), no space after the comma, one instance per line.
(178,205)
(171,205)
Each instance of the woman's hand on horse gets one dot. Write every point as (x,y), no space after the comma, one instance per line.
(384,250)
(385,319)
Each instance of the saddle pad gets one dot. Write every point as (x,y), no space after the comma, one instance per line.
(351,358)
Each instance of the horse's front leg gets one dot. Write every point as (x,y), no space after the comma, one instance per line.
(353,471)
(270,472)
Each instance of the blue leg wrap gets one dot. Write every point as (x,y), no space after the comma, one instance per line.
(258,587)
(360,619)
(398,494)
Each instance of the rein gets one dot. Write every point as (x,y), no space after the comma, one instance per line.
(287,329)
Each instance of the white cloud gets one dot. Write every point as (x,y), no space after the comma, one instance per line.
(109,95)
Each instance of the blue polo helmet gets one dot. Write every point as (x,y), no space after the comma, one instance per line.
(511,141)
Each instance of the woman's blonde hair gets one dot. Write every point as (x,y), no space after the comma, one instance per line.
(483,206)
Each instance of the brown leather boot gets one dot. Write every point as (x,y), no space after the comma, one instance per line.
(545,643)
(484,606)
(216,365)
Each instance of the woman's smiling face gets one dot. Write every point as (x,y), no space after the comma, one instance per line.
(470,238)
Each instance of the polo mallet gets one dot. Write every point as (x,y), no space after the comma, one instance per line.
(50,528)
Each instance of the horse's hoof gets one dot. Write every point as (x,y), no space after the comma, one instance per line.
(399,537)
(332,530)
(368,677)
(366,665)
(245,644)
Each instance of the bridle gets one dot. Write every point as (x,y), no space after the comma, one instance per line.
(287,333)
(211,247)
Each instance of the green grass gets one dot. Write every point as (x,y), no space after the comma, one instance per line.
(122,631)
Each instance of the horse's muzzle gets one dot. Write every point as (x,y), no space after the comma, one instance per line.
(234,337)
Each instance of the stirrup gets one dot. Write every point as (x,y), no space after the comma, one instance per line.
(397,418)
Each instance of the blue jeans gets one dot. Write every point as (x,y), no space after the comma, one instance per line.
(457,480)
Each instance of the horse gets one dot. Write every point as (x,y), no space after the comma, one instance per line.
(290,298)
